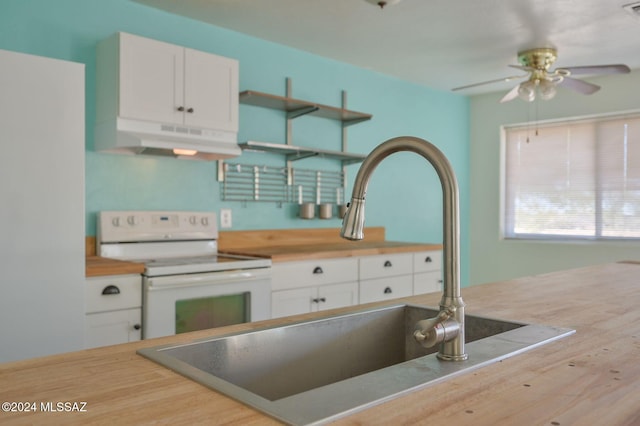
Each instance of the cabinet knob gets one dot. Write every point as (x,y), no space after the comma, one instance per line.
(180,108)
(137,327)
(318,270)
(190,110)
(387,264)
(110,289)
(428,259)
(388,290)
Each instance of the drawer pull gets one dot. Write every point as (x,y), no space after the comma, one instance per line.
(321,299)
(110,289)
(388,290)
(387,264)
(428,259)
(318,270)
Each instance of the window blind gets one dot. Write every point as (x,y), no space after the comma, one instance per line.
(575,179)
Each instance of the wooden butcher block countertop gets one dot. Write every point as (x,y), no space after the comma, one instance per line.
(96,266)
(306,244)
(590,378)
(326,251)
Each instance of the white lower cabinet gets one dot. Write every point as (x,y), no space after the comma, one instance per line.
(385,276)
(113,307)
(313,285)
(427,272)
(313,299)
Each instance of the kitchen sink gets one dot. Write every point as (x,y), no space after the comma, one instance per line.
(318,370)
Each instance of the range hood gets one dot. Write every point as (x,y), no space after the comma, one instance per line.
(140,137)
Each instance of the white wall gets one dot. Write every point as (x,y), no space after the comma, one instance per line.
(493,259)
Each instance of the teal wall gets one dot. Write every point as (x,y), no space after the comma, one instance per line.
(404,195)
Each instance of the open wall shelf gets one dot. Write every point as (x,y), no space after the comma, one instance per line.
(280,192)
(296,108)
(294,153)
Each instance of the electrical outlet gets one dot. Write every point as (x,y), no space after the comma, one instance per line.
(225,218)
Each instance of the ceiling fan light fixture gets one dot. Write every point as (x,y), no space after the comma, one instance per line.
(527,91)
(547,90)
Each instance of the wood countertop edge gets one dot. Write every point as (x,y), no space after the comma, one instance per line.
(592,374)
(332,250)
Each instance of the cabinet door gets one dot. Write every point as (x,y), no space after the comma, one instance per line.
(337,295)
(292,302)
(427,282)
(112,328)
(211,91)
(151,80)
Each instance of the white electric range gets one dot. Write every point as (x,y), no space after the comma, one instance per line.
(187,285)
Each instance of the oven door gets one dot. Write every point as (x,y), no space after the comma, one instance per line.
(180,303)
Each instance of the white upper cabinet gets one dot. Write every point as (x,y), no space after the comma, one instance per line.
(161,99)
(172,84)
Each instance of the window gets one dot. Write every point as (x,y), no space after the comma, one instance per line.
(573,179)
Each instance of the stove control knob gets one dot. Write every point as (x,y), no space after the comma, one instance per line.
(204,221)
(133,220)
(193,220)
(115,221)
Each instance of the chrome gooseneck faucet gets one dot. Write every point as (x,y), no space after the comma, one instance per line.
(447,328)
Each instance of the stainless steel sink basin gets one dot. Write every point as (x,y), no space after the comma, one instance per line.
(316,371)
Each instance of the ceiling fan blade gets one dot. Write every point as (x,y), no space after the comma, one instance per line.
(598,69)
(513,93)
(579,86)
(498,80)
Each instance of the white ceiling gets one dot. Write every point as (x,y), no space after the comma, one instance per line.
(436,43)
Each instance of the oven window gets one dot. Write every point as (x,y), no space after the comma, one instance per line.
(213,311)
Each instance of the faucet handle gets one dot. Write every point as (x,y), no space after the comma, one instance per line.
(441,328)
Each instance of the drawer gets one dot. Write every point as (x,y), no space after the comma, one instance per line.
(385,265)
(386,288)
(112,293)
(307,273)
(427,282)
(426,261)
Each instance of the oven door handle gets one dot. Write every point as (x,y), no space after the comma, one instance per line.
(206,279)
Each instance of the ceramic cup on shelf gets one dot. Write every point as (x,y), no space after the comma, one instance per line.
(307,210)
(326,211)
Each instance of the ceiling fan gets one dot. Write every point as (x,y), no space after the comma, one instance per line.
(543,81)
